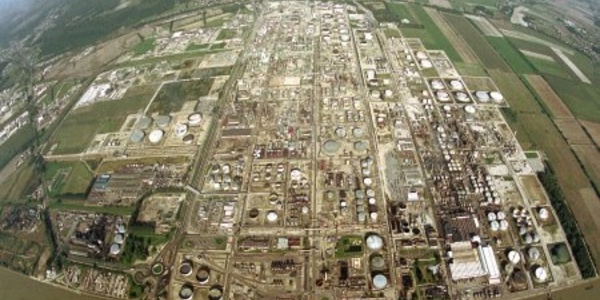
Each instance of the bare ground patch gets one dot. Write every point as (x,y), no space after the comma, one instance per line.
(573,132)
(485,26)
(593,129)
(441,3)
(590,159)
(537,55)
(463,49)
(533,189)
(553,102)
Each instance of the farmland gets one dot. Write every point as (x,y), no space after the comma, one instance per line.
(593,129)
(514,58)
(573,132)
(459,44)
(582,99)
(485,52)
(68,178)
(556,106)
(173,95)
(536,131)
(15,144)
(19,184)
(590,160)
(145,46)
(431,35)
(544,66)
(81,125)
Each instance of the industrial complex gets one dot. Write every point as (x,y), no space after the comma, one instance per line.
(298,152)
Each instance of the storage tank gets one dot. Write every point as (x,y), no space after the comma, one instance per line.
(379,282)
(137,136)
(186,268)
(540,274)
(514,257)
(374,242)
(156,136)
(203,275)
(186,292)
(534,253)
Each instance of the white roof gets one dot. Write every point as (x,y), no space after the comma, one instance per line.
(489,263)
(374,242)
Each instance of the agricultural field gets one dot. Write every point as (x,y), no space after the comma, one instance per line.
(146,46)
(593,129)
(81,125)
(470,69)
(573,132)
(466,53)
(64,178)
(19,184)
(582,99)
(226,34)
(17,143)
(590,160)
(535,130)
(468,5)
(549,67)
(173,95)
(85,23)
(392,12)
(514,58)
(431,35)
(489,58)
(555,105)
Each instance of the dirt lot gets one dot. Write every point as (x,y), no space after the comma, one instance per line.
(553,102)
(573,132)
(456,40)
(533,189)
(593,130)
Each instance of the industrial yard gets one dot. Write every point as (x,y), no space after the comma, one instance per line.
(293,150)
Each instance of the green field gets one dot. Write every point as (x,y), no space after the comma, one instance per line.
(20,183)
(468,5)
(226,34)
(67,178)
(142,48)
(79,205)
(218,46)
(197,47)
(589,68)
(173,95)
(531,46)
(514,57)
(84,23)
(470,69)
(481,47)
(349,246)
(431,36)
(392,33)
(401,11)
(549,67)
(81,125)
(17,143)
(582,99)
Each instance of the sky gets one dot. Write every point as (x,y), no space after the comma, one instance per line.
(8,7)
